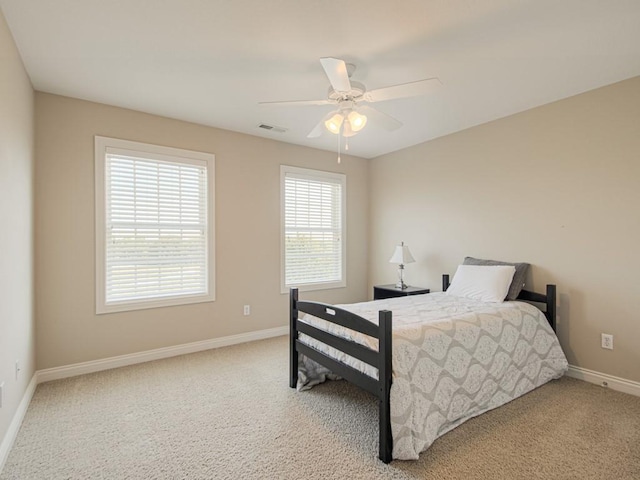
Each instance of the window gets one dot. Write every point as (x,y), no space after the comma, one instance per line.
(154,226)
(313,229)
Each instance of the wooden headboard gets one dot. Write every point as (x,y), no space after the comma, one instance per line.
(549,300)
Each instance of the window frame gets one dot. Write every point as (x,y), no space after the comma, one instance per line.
(331,177)
(104,145)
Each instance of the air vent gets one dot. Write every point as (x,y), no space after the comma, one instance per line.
(272,128)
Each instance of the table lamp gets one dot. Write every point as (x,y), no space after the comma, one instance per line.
(401,255)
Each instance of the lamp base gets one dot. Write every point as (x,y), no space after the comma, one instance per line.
(401,285)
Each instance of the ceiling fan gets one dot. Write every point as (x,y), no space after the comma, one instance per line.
(351,99)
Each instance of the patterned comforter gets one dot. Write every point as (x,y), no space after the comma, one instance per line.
(453,359)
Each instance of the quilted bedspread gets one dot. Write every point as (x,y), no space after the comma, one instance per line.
(453,359)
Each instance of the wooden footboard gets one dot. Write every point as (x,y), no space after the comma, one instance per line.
(380,359)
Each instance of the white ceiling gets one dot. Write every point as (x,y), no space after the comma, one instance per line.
(212,61)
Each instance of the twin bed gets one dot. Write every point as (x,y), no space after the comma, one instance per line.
(449,358)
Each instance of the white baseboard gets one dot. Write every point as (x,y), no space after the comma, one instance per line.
(14,426)
(75,369)
(604,380)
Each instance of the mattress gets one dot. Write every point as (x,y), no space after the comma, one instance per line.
(453,358)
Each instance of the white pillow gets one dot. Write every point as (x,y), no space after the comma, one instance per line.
(482,282)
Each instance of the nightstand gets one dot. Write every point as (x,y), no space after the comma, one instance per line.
(390,291)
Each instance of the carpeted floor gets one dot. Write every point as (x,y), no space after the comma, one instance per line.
(229,414)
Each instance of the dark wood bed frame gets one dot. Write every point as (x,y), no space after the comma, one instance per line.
(380,359)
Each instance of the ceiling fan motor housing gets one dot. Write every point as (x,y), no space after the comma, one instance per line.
(356,93)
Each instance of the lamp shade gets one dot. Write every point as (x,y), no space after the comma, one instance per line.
(334,122)
(357,121)
(402,255)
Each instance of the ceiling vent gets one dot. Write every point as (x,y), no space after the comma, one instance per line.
(272,128)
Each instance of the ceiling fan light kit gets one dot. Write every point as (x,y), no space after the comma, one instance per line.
(334,122)
(345,122)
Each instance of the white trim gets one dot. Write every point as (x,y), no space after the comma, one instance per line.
(604,380)
(14,426)
(66,371)
(104,145)
(322,176)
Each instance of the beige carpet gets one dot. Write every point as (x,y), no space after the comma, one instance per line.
(228,413)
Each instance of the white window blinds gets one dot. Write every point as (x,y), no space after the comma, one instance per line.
(313,234)
(156,232)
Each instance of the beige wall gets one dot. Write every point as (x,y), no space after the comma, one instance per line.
(247,233)
(557,186)
(17,337)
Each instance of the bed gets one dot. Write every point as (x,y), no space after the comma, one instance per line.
(453,360)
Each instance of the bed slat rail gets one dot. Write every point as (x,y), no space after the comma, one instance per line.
(351,374)
(549,301)
(341,317)
(532,296)
(349,347)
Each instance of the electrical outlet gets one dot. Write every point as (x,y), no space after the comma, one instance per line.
(607,341)
(247,309)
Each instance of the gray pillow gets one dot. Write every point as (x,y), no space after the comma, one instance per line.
(518,278)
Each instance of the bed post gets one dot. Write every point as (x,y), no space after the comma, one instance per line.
(551,305)
(384,374)
(293,336)
(445,282)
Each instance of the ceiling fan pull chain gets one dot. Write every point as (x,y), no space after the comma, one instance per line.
(339,135)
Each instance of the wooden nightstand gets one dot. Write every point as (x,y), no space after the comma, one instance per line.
(390,291)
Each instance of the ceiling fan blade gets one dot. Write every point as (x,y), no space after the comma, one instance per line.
(379,118)
(317,130)
(297,103)
(403,90)
(337,74)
